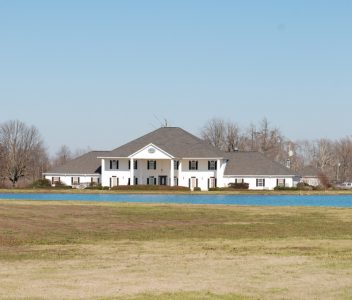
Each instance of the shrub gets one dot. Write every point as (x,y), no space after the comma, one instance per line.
(324,181)
(150,188)
(239,186)
(41,183)
(94,186)
(319,188)
(302,186)
(197,189)
(285,188)
(61,185)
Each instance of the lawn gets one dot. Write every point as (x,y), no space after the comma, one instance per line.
(153,251)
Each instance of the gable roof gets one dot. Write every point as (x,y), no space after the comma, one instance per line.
(173,140)
(254,163)
(85,164)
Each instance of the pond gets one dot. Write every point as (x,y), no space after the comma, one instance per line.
(255,200)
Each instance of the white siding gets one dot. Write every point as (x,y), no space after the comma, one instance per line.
(270,181)
(162,169)
(67,179)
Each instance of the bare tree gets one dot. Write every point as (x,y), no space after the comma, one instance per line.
(233,138)
(323,154)
(344,158)
(62,156)
(80,151)
(214,132)
(39,162)
(19,143)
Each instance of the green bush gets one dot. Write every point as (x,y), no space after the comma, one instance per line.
(239,186)
(302,186)
(61,185)
(41,183)
(94,186)
(150,188)
(98,187)
(285,188)
(319,188)
(197,189)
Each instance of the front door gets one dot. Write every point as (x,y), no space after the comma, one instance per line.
(114,181)
(162,180)
(193,182)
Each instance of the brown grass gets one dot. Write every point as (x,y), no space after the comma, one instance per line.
(58,250)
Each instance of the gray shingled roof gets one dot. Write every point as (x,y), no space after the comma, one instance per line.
(86,164)
(174,140)
(254,163)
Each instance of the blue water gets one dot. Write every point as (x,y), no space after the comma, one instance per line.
(257,200)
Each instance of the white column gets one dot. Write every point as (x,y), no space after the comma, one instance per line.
(132,171)
(172,173)
(180,173)
(102,179)
(218,174)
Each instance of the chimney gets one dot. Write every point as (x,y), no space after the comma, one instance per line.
(288,163)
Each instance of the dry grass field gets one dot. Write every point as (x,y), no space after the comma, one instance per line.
(67,250)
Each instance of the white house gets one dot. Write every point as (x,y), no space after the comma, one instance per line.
(82,170)
(172,156)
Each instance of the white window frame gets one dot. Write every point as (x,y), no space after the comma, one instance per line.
(151,165)
(193,165)
(260,182)
(212,165)
(75,180)
(151,180)
(114,164)
(281,182)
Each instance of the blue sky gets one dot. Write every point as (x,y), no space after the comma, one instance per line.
(99,73)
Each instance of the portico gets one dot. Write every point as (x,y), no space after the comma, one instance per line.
(167,156)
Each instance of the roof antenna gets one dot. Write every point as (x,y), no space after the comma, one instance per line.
(163,123)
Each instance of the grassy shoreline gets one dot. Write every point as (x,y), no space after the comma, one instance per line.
(234,192)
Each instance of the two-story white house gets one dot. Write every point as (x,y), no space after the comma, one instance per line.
(167,156)
(172,156)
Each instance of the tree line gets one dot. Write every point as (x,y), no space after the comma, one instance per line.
(331,157)
(24,157)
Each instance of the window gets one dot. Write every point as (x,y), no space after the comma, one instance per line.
(212,165)
(260,182)
(135,181)
(239,180)
(176,164)
(193,165)
(151,165)
(114,164)
(55,180)
(280,182)
(134,164)
(175,181)
(151,180)
(74,180)
(95,180)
